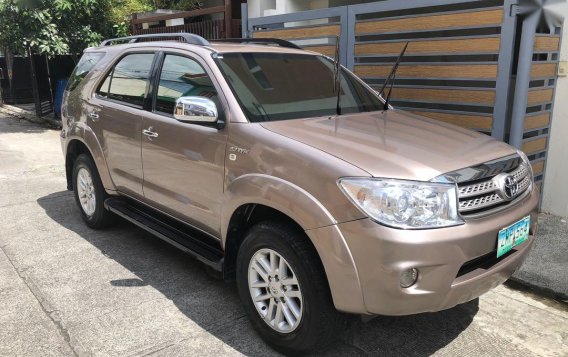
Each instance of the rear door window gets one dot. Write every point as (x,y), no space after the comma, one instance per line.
(129,80)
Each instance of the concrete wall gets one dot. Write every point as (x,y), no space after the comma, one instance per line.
(258,8)
(555,195)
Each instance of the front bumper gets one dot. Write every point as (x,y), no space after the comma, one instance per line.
(381,254)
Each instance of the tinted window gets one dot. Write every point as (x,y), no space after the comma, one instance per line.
(129,80)
(278,86)
(87,62)
(182,77)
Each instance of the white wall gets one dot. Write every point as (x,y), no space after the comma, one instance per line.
(174,22)
(555,195)
(258,8)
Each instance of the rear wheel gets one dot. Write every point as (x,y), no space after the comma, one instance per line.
(89,193)
(284,289)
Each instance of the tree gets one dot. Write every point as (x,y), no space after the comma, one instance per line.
(53,27)
(178,4)
(123,9)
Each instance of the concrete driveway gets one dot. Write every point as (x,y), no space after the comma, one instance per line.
(66,289)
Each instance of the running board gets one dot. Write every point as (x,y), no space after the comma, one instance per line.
(192,241)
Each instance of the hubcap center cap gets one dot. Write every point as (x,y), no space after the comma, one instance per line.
(275,289)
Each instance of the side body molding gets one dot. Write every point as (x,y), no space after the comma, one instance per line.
(314,218)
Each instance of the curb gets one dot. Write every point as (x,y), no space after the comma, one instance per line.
(26,115)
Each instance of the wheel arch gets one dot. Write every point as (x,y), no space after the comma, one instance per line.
(255,198)
(86,144)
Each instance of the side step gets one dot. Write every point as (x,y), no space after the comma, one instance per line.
(192,241)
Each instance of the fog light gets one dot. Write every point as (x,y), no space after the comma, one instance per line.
(408,277)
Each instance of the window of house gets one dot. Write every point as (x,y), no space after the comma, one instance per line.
(182,77)
(129,80)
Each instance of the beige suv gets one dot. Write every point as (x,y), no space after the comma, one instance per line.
(319,205)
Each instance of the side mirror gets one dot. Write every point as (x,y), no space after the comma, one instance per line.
(195,110)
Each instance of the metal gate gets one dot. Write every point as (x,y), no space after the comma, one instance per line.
(468,62)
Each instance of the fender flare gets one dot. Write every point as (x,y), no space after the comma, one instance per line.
(276,193)
(317,222)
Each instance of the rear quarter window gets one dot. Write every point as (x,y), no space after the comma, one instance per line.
(85,65)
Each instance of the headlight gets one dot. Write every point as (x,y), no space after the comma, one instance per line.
(404,204)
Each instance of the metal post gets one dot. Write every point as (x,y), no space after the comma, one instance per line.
(133,24)
(523,79)
(35,89)
(10,67)
(350,50)
(228,19)
(344,39)
(244,21)
(505,66)
(50,83)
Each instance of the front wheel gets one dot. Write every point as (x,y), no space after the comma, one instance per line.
(90,193)
(284,289)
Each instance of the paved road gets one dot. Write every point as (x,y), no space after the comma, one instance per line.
(66,289)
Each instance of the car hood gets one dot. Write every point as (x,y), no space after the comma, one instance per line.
(394,144)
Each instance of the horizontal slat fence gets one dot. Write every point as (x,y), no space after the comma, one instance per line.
(433,21)
(314,30)
(536,126)
(322,36)
(450,69)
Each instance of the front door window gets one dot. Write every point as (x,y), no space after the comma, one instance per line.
(182,77)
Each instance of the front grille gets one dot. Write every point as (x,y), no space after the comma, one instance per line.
(490,189)
(477,189)
(480,202)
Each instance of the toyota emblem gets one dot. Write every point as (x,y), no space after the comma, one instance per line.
(508,186)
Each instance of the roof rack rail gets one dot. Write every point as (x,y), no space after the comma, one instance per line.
(268,41)
(187,38)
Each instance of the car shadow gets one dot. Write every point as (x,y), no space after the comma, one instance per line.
(214,305)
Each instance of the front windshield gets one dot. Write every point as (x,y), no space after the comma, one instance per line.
(282,86)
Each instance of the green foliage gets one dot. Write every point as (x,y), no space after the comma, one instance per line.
(56,27)
(123,9)
(53,27)
(179,4)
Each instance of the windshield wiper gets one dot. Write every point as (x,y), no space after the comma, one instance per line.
(391,78)
(337,79)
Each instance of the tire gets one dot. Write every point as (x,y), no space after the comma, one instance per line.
(93,212)
(318,322)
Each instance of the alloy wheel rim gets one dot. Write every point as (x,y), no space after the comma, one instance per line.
(86,191)
(275,291)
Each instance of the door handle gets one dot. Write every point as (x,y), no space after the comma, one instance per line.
(149,133)
(94,115)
